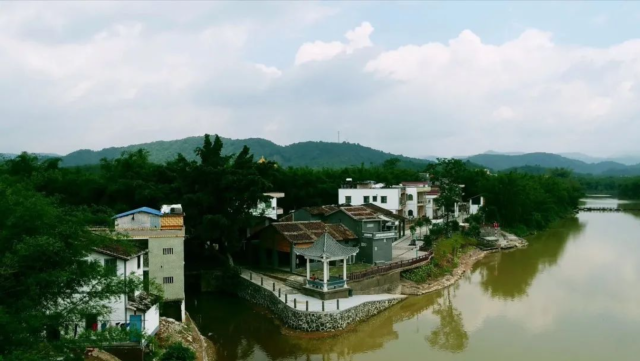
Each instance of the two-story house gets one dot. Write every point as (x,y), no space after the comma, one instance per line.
(132,311)
(165,232)
(376,232)
(359,193)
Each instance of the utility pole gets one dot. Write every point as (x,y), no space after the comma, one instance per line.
(338,136)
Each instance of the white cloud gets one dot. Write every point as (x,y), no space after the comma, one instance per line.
(269,71)
(358,38)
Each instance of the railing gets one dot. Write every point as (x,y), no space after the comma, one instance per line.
(331,284)
(389,267)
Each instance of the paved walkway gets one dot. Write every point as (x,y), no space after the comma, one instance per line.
(314,304)
(402,251)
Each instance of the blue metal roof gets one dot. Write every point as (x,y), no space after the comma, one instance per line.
(155,212)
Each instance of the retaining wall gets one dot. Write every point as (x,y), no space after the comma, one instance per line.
(309,321)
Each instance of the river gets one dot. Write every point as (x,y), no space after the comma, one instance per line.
(573,294)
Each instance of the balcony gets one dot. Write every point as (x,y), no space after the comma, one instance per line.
(380,235)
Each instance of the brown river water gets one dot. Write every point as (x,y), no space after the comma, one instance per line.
(573,294)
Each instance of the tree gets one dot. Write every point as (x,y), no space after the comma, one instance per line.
(46,282)
(220,193)
(178,352)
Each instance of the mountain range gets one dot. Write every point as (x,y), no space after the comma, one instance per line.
(326,154)
(312,154)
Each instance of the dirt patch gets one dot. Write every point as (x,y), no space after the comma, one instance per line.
(95,354)
(172,331)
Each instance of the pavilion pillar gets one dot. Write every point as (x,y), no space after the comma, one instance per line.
(344,272)
(308,270)
(324,273)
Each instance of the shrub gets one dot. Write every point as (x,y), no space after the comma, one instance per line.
(178,352)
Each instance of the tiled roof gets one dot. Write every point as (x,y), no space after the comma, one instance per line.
(434,191)
(321,210)
(326,246)
(155,212)
(307,232)
(360,213)
(123,250)
(385,212)
(286,218)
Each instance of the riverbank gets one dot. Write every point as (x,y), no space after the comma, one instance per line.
(465,264)
(173,331)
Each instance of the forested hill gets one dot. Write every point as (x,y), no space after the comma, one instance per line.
(500,162)
(312,154)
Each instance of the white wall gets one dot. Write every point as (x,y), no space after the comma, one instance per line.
(119,312)
(141,220)
(151,320)
(413,204)
(268,209)
(357,197)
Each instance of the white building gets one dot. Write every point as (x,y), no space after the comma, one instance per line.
(357,194)
(134,311)
(409,199)
(164,230)
(269,209)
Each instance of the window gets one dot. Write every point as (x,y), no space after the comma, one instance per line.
(139,261)
(366,199)
(166,280)
(409,197)
(383,199)
(410,213)
(375,198)
(166,251)
(111,265)
(347,199)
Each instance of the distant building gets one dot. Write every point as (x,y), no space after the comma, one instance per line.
(269,209)
(357,194)
(165,232)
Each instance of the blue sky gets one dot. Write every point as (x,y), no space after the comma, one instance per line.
(416,78)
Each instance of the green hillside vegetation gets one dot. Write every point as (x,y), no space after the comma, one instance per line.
(499,162)
(311,154)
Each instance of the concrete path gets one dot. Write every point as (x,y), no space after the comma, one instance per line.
(402,251)
(314,304)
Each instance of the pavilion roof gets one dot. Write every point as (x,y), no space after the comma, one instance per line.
(327,247)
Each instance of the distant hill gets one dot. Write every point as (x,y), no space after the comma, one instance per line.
(501,162)
(40,155)
(312,154)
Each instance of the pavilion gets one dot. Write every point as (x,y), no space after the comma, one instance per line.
(326,249)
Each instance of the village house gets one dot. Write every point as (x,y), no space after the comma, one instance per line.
(274,245)
(137,311)
(359,193)
(376,232)
(376,228)
(165,232)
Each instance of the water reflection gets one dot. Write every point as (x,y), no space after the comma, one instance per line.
(509,275)
(450,335)
(244,332)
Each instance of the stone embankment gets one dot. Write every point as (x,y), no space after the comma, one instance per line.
(313,321)
(466,262)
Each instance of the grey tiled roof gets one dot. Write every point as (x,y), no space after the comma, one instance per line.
(327,246)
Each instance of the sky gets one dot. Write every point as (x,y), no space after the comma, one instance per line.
(412,78)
